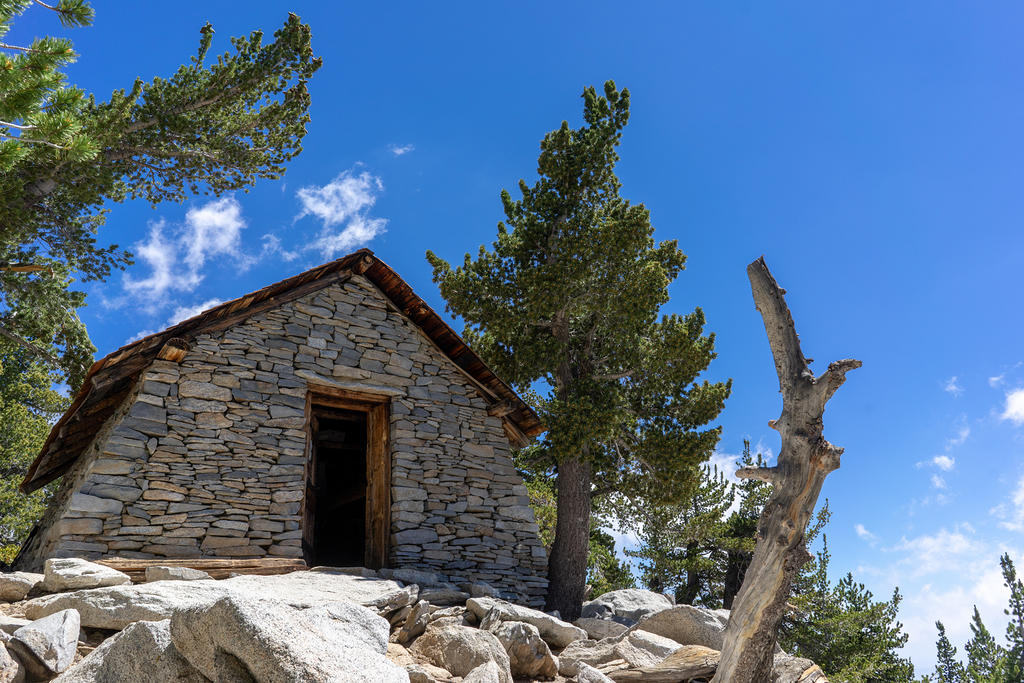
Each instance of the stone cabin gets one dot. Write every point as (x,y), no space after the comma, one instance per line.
(333,417)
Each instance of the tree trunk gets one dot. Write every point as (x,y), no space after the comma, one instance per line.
(567,566)
(735,568)
(805,459)
(692,589)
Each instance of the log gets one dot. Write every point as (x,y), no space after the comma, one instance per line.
(689,661)
(805,459)
(217,568)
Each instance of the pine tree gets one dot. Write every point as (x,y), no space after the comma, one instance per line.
(985,658)
(27,408)
(742,526)
(66,155)
(1014,660)
(948,668)
(569,294)
(681,545)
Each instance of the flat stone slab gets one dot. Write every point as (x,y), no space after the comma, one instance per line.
(117,606)
(72,573)
(14,586)
(556,632)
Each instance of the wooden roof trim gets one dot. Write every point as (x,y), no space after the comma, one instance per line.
(110,379)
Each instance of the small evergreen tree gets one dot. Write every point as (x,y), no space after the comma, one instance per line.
(742,526)
(682,545)
(1014,660)
(985,658)
(948,668)
(27,408)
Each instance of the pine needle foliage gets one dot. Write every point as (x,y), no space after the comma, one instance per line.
(569,296)
(214,126)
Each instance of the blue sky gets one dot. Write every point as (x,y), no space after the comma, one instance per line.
(871,152)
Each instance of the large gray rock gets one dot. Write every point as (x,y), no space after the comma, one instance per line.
(11,670)
(588,674)
(14,586)
(636,648)
(272,642)
(415,623)
(117,606)
(556,632)
(9,625)
(687,625)
(460,649)
(46,647)
(603,628)
(631,603)
(141,652)
(787,669)
(72,573)
(642,649)
(175,574)
(529,656)
(485,673)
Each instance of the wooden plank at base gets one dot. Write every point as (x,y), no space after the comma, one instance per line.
(217,568)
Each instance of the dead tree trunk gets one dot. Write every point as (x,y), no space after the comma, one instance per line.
(805,459)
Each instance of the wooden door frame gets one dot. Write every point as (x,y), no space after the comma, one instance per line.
(378,462)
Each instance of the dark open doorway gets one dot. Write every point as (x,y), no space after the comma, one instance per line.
(338,482)
(348,479)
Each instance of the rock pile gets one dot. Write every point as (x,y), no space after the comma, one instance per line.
(343,625)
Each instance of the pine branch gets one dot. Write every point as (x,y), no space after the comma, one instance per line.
(35,349)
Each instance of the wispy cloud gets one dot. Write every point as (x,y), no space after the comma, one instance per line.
(944,462)
(176,257)
(185,312)
(344,202)
(864,534)
(180,313)
(997,380)
(399,150)
(1014,409)
(953,387)
(938,482)
(1012,516)
(213,229)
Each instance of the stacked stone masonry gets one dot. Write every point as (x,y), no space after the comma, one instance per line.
(206,457)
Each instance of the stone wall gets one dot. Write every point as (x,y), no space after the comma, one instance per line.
(206,458)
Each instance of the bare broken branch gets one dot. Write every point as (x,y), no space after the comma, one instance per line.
(805,459)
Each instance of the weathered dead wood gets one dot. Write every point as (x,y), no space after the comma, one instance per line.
(174,350)
(805,459)
(217,568)
(689,661)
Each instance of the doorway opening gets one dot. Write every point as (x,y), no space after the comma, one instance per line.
(347,507)
(339,487)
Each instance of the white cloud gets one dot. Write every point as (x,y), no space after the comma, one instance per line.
(952,387)
(176,257)
(359,231)
(961,436)
(186,312)
(272,245)
(213,229)
(938,552)
(339,200)
(344,201)
(1012,519)
(180,313)
(943,462)
(997,380)
(161,255)
(938,482)
(863,533)
(1014,406)
(399,150)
